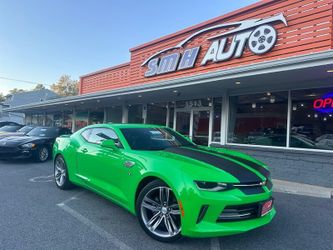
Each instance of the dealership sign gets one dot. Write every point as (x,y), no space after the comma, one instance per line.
(257,34)
(324,104)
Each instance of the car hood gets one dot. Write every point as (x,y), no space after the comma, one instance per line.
(203,163)
(14,141)
(8,134)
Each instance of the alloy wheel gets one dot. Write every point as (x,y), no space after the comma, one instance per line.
(160,212)
(60,172)
(43,154)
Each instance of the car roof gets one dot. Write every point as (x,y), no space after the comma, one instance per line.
(125,125)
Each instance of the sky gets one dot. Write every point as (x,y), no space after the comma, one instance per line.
(42,39)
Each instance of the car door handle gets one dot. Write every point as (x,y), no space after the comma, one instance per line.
(84,150)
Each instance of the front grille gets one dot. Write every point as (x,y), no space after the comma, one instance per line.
(239,212)
(253,187)
(4,150)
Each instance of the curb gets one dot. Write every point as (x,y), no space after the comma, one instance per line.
(302,189)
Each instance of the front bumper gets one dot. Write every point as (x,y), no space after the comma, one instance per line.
(208,226)
(16,153)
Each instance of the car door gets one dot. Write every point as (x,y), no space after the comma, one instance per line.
(102,168)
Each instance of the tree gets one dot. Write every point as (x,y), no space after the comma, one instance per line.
(2,97)
(39,86)
(15,91)
(66,86)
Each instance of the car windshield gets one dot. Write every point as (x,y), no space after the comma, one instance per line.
(153,138)
(25,129)
(44,132)
(10,128)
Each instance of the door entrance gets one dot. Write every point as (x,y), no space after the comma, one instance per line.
(200,131)
(194,123)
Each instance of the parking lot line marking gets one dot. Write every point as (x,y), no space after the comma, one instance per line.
(74,197)
(109,237)
(215,244)
(43,178)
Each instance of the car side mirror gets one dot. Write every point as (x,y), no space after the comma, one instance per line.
(109,144)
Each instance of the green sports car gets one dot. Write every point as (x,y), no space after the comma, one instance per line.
(173,186)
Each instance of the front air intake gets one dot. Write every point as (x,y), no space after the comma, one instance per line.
(239,212)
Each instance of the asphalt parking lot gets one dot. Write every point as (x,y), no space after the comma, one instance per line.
(34,214)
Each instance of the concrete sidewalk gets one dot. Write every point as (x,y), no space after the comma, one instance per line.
(302,189)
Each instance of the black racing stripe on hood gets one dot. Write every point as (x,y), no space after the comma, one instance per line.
(263,171)
(241,173)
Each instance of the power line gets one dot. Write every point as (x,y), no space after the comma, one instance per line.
(25,81)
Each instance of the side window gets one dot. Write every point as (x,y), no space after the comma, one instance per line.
(100,134)
(85,134)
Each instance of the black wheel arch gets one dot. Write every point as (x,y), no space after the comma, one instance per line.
(144,182)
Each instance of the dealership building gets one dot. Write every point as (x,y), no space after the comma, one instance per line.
(258,80)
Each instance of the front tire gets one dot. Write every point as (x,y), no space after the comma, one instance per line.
(158,212)
(61,174)
(42,154)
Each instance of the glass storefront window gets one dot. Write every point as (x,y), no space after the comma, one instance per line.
(135,114)
(201,127)
(81,119)
(312,119)
(49,120)
(183,122)
(58,119)
(68,119)
(114,114)
(259,119)
(37,119)
(28,119)
(156,113)
(217,120)
(96,116)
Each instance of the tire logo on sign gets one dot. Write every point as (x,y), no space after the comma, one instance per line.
(257,34)
(262,39)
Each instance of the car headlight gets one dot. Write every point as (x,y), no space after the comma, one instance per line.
(28,145)
(213,186)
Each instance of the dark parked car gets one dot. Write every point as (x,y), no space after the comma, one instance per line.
(36,144)
(22,131)
(10,128)
(7,123)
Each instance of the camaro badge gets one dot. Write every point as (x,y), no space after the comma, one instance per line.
(262,183)
(129,164)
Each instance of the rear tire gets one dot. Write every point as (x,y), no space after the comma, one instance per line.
(158,212)
(61,174)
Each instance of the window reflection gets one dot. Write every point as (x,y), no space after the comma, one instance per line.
(310,127)
(81,119)
(157,113)
(96,116)
(114,114)
(259,119)
(135,114)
